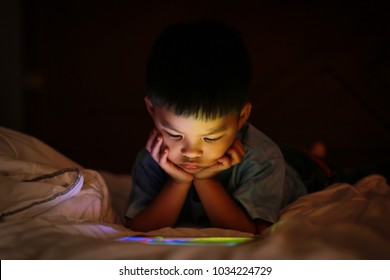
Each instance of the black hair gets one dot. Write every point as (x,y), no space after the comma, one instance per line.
(199,69)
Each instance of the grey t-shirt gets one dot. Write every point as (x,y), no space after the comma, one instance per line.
(262,183)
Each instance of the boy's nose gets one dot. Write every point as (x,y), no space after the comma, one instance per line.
(191,152)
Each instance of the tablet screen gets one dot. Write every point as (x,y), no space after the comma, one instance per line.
(221,241)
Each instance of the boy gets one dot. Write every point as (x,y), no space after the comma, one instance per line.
(203,163)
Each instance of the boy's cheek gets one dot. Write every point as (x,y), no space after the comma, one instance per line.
(172,148)
(172,154)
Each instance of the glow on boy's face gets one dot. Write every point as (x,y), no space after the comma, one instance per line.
(195,144)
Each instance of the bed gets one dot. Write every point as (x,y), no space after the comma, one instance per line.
(53,208)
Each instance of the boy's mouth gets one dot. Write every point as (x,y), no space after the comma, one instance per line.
(190,166)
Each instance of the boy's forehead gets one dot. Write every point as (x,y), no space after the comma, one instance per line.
(172,121)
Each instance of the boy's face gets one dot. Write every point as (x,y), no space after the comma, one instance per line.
(195,144)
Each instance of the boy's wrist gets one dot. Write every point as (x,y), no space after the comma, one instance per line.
(180,183)
(205,181)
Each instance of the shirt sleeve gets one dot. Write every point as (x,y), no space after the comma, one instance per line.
(262,182)
(261,188)
(147,180)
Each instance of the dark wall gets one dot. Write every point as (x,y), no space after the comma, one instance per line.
(320,73)
(11,96)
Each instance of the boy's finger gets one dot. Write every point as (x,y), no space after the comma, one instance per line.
(234,155)
(174,172)
(151,140)
(239,147)
(236,152)
(225,161)
(163,157)
(155,150)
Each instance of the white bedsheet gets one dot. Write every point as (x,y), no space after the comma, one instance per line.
(77,214)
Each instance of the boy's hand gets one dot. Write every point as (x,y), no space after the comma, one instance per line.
(232,157)
(154,147)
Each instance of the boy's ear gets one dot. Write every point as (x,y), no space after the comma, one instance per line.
(244,115)
(149,106)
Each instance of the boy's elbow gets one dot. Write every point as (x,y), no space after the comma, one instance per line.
(128,223)
(137,224)
(261,225)
(134,226)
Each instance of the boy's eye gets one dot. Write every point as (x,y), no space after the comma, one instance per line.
(174,136)
(211,140)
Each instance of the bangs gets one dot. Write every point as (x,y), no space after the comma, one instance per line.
(206,106)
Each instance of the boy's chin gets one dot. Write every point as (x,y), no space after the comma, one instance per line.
(191,170)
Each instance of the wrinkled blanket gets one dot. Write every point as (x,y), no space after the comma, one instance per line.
(53,208)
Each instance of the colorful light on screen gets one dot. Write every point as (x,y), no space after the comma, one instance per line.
(159,240)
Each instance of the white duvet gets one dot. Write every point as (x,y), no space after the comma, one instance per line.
(52,208)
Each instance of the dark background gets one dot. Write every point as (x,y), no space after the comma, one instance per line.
(72,73)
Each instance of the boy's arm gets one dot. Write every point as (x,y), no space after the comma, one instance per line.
(164,209)
(222,210)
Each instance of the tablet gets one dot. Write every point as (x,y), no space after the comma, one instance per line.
(194,241)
